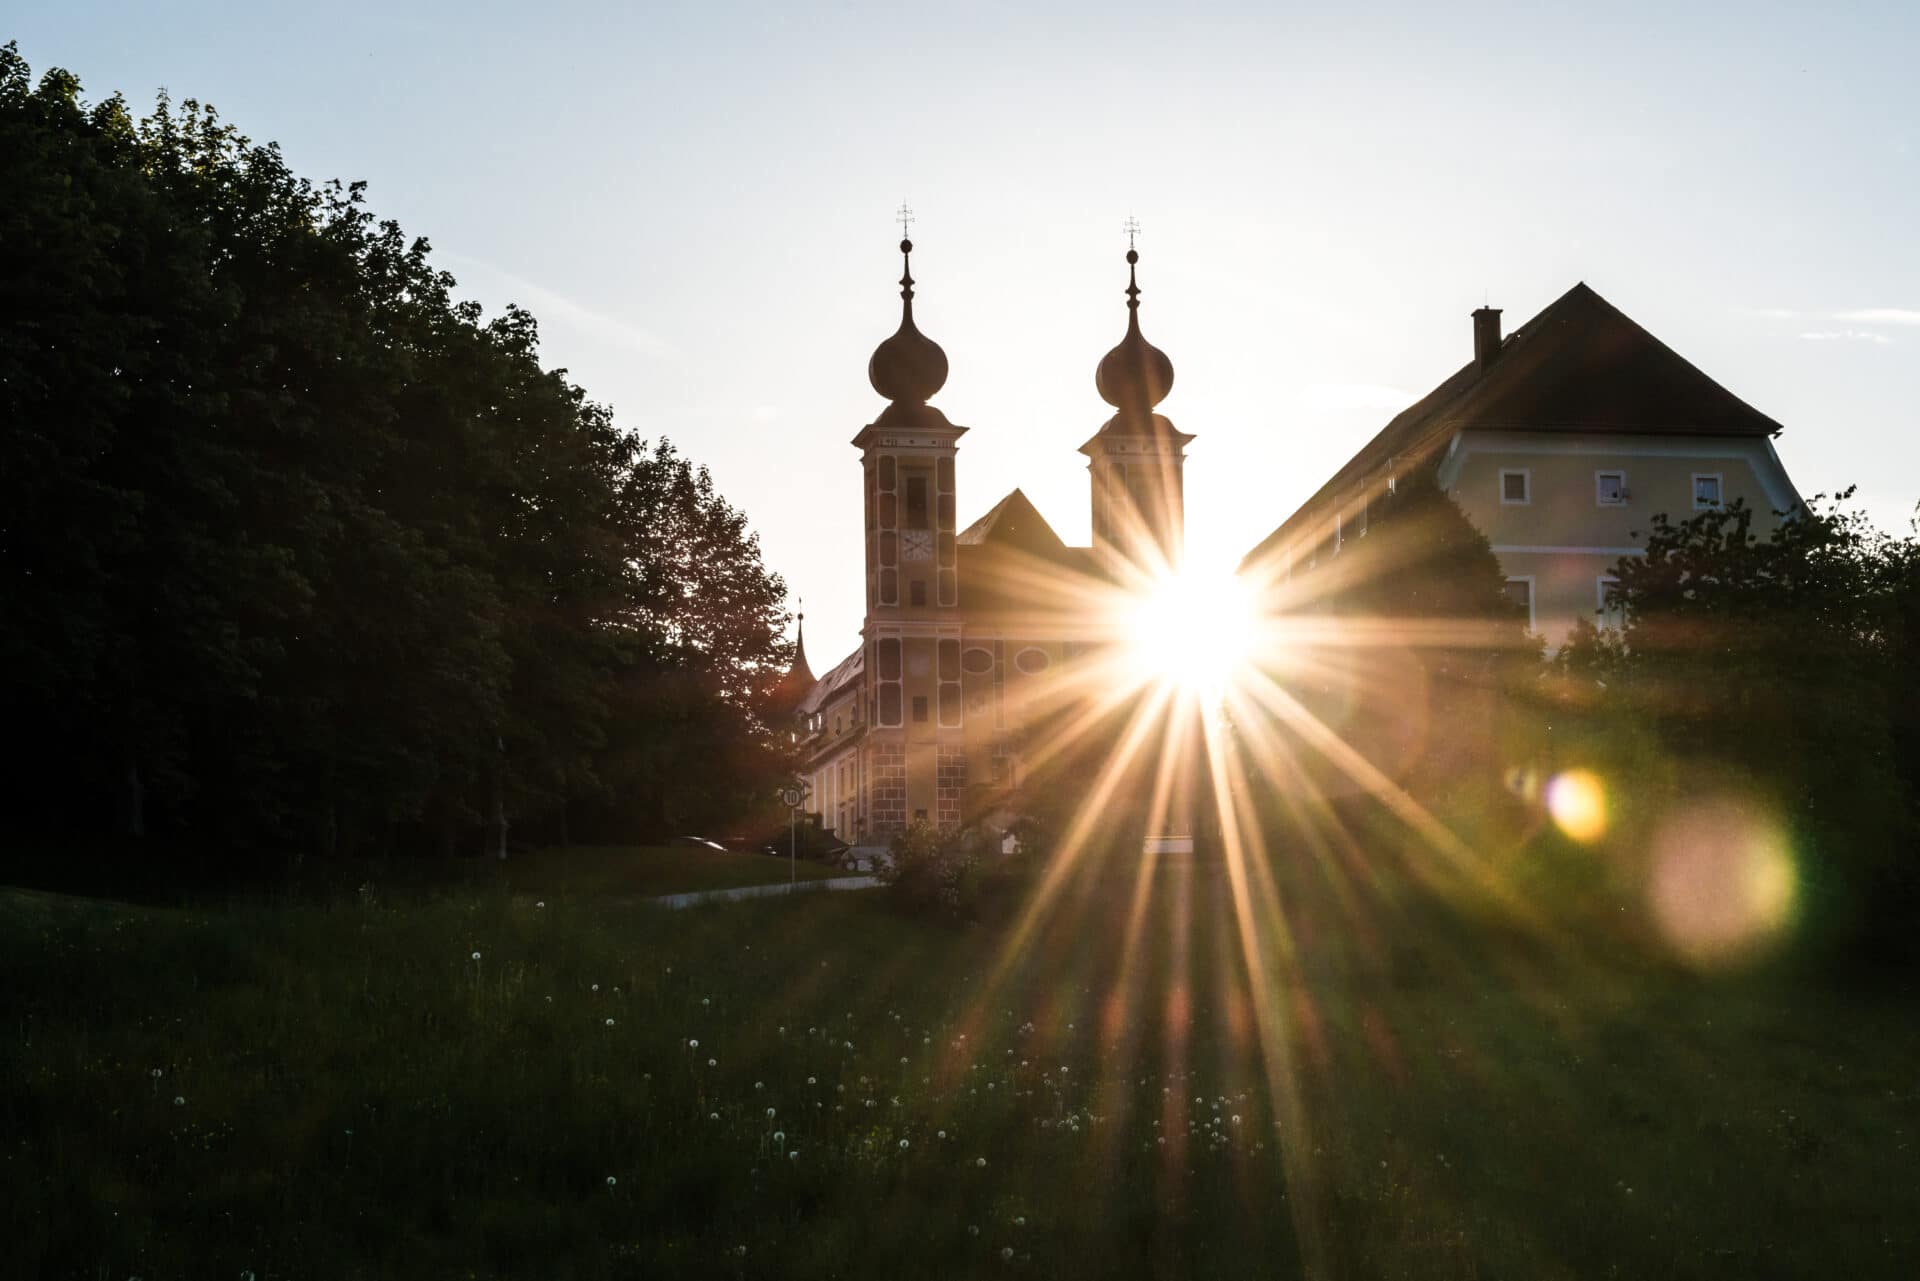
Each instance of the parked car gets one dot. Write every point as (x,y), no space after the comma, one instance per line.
(699,841)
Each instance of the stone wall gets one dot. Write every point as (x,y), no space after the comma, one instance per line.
(887,797)
(950,786)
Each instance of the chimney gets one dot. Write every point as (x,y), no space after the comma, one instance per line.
(1486,336)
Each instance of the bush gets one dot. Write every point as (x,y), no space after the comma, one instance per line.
(935,872)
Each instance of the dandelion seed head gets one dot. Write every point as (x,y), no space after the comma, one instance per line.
(611,1180)
(476,956)
(609,1022)
(179,1101)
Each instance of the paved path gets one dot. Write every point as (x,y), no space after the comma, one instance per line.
(761,891)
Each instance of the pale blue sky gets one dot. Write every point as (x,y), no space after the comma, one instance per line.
(695,201)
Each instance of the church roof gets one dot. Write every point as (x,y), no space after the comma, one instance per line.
(842,674)
(1581,365)
(1014,521)
(1011,560)
(794,685)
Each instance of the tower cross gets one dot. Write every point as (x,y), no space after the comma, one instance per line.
(905,217)
(1132,227)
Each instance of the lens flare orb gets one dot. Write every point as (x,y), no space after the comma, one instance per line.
(1723,884)
(1577,800)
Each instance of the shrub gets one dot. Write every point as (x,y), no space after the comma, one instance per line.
(934,872)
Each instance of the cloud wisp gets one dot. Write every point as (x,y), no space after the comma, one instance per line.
(1846,335)
(1881,316)
(547,305)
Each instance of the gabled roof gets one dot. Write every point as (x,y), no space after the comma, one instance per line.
(844,673)
(1015,522)
(1011,560)
(1581,365)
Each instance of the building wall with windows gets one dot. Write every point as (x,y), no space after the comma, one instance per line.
(970,634)
(1562,510)
(1561,442)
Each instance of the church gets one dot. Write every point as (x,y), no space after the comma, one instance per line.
(970,635)
(1560,441)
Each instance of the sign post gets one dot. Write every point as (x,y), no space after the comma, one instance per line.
(792,796)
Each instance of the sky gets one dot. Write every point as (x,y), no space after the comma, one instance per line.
(696,201)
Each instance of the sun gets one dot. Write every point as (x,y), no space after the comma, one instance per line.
(1193,630)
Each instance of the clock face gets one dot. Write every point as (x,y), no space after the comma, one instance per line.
(916,544)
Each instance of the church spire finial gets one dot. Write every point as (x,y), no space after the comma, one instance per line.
(1136,375)
(908,367)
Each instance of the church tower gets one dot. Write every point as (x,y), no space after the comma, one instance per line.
(915,754)
(1137,458)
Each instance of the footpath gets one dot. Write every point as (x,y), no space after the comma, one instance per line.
(762,891)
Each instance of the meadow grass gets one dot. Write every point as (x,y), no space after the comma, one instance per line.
(341,1089)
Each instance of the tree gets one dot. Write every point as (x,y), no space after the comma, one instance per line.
(1787,663)
(297,551)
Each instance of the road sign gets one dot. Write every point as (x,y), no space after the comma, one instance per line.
(792,797)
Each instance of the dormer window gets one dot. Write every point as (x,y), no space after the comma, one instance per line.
(1610,488)
(1706,491)
(1516,487)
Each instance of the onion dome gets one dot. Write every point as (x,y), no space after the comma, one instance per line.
(1136,375)
(909,367)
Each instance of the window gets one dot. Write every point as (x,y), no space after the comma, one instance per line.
(917,592)
(1706,490)
(977,661)
(886,651)
(1610,488)
(916,502)
(1520,592)
(886,535)
(1516,488)
(919,707)
(1612,611)
(1032,661)
(948,670)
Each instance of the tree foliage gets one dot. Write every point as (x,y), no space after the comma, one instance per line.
(1788,663)
(297,548)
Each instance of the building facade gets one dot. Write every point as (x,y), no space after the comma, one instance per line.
(1560,441)
(972,634)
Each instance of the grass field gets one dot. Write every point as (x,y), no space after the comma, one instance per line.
(343,1089)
